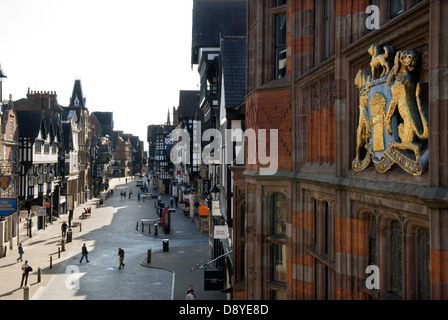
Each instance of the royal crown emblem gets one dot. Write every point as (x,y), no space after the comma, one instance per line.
(393,126)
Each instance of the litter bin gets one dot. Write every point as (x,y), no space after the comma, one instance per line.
(69,235)
(40,222)
(166,243)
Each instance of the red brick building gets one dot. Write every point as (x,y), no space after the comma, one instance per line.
(353,189)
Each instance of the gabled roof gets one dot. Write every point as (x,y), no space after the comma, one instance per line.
(2,74)
(30,123)
(233,57)
(106,119)
(77,94)
(68,115)
(52,122)
(67,136)
(94,119)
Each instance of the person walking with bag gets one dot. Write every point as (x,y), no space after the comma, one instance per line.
(26,269)
(84,253)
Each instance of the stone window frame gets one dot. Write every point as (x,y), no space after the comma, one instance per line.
(386,9)
(274,12)
(410,226)
(325,30)
(275,289)
(322,208)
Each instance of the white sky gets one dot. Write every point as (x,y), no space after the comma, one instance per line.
(132,56)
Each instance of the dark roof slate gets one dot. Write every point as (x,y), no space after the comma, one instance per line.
(106,119)
(2,74)
(214,18)
(67,136)
(29,122)
(77,93)
(188,104)
(233,57)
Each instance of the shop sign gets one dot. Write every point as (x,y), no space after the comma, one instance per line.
(220,232)
(7,207)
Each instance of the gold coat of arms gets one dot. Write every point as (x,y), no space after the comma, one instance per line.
(393,126)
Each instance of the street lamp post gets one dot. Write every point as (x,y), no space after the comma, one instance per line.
(214,193)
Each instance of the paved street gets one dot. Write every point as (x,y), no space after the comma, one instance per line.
(111,226)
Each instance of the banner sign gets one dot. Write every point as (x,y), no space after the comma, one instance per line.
(42,212)
(8,207)
(70,202)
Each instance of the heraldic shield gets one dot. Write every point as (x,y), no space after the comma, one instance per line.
(392,126)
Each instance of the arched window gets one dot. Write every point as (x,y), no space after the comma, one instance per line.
(423,264)
(277,242)
(397,259)
(372,240)
(279,214)
(396,7)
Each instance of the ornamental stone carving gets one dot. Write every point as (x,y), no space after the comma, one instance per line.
(393,126)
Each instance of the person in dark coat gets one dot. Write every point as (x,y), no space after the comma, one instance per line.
(121,257)
(21,252)
(64,229)
(84,253)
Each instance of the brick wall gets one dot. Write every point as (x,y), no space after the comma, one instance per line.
(313,111)
(272,110)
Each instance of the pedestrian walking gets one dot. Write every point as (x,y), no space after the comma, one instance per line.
(121,257)
(130,193)
(64,229)
(121,195)
(124,195)
(138,196)
(21,252)
(84,253)
(26,269)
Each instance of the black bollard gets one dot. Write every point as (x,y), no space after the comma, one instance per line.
(148,257)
